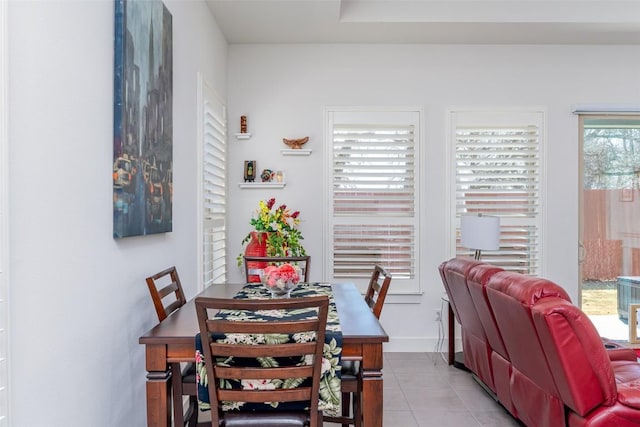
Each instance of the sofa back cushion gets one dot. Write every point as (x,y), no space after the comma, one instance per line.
(576,356)
(511,296)
(477,352)
(533,390)
(454,278)
(477,280)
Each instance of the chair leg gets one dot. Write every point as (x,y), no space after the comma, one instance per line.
(346,406)
(357,408)
(192,412)
(176,391)
(357,403)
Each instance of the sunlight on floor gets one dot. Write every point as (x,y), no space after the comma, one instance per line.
(599,302)
(611,327)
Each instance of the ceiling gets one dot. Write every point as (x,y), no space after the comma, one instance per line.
(429,21)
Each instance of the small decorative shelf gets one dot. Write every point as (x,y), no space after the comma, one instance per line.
(243,135)
(262,184)
(296,152)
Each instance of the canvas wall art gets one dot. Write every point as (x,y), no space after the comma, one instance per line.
(143,119)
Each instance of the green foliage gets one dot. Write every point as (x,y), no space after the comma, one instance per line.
(281,228)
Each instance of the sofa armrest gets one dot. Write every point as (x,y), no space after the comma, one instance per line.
(622,354)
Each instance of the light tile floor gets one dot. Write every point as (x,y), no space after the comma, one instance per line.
(421,390)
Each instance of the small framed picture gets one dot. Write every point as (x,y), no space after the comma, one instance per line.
(633,323)
(249,170)
(626,195)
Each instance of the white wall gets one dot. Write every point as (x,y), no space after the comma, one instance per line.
(284,88)
(78,297)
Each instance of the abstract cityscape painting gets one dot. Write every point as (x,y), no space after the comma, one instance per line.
(143,119)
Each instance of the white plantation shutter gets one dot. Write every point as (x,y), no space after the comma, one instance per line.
(373,169)
(498,166)
(214,196)
(374,195)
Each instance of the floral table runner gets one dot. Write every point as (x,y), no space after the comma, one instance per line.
(330,381)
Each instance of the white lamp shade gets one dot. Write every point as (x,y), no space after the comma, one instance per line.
(480,232)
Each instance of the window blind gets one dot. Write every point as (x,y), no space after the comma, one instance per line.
(498,172)
(357,248)
(374,196)
(373,170)
(214,194)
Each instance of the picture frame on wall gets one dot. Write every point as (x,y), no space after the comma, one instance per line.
(250,170)
(143,119)
(633,323)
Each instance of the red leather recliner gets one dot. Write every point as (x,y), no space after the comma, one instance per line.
(533,391)
(538,353)
(477,280)
(477,352)
(598,392)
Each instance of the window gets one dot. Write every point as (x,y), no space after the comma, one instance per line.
(609,232)
(497,166)
(213,187)
(373,161)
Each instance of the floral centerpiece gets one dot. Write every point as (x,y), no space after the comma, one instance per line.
(280,228)
(281,279)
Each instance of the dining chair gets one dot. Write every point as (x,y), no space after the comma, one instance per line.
(377,289)
(222,374)
(255,265)
(167,295)
(351,377)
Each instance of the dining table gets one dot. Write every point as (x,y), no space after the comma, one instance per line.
(173,340)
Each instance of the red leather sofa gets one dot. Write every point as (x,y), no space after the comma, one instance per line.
(537,353)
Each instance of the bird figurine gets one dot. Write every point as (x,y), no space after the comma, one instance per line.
(295,143)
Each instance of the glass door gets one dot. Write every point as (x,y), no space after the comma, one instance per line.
(610,221)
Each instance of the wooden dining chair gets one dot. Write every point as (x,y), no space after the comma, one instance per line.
(167,296)
(254,265)
(221,374)
(377,289)
(351,377)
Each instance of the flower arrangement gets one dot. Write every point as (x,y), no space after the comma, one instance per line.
(281,226)
(281,277)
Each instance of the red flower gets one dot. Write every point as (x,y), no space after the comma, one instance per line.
(280,276)
(271,202)
(295,214)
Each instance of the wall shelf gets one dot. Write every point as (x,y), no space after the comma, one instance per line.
(296,152)
(243,135)
(262,184)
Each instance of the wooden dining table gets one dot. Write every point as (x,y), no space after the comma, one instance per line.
(173,340)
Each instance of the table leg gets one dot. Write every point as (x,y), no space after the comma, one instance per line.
(451,336)
(372,385)
(158,402)
(158,387)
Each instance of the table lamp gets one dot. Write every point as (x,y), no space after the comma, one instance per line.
(480,233)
